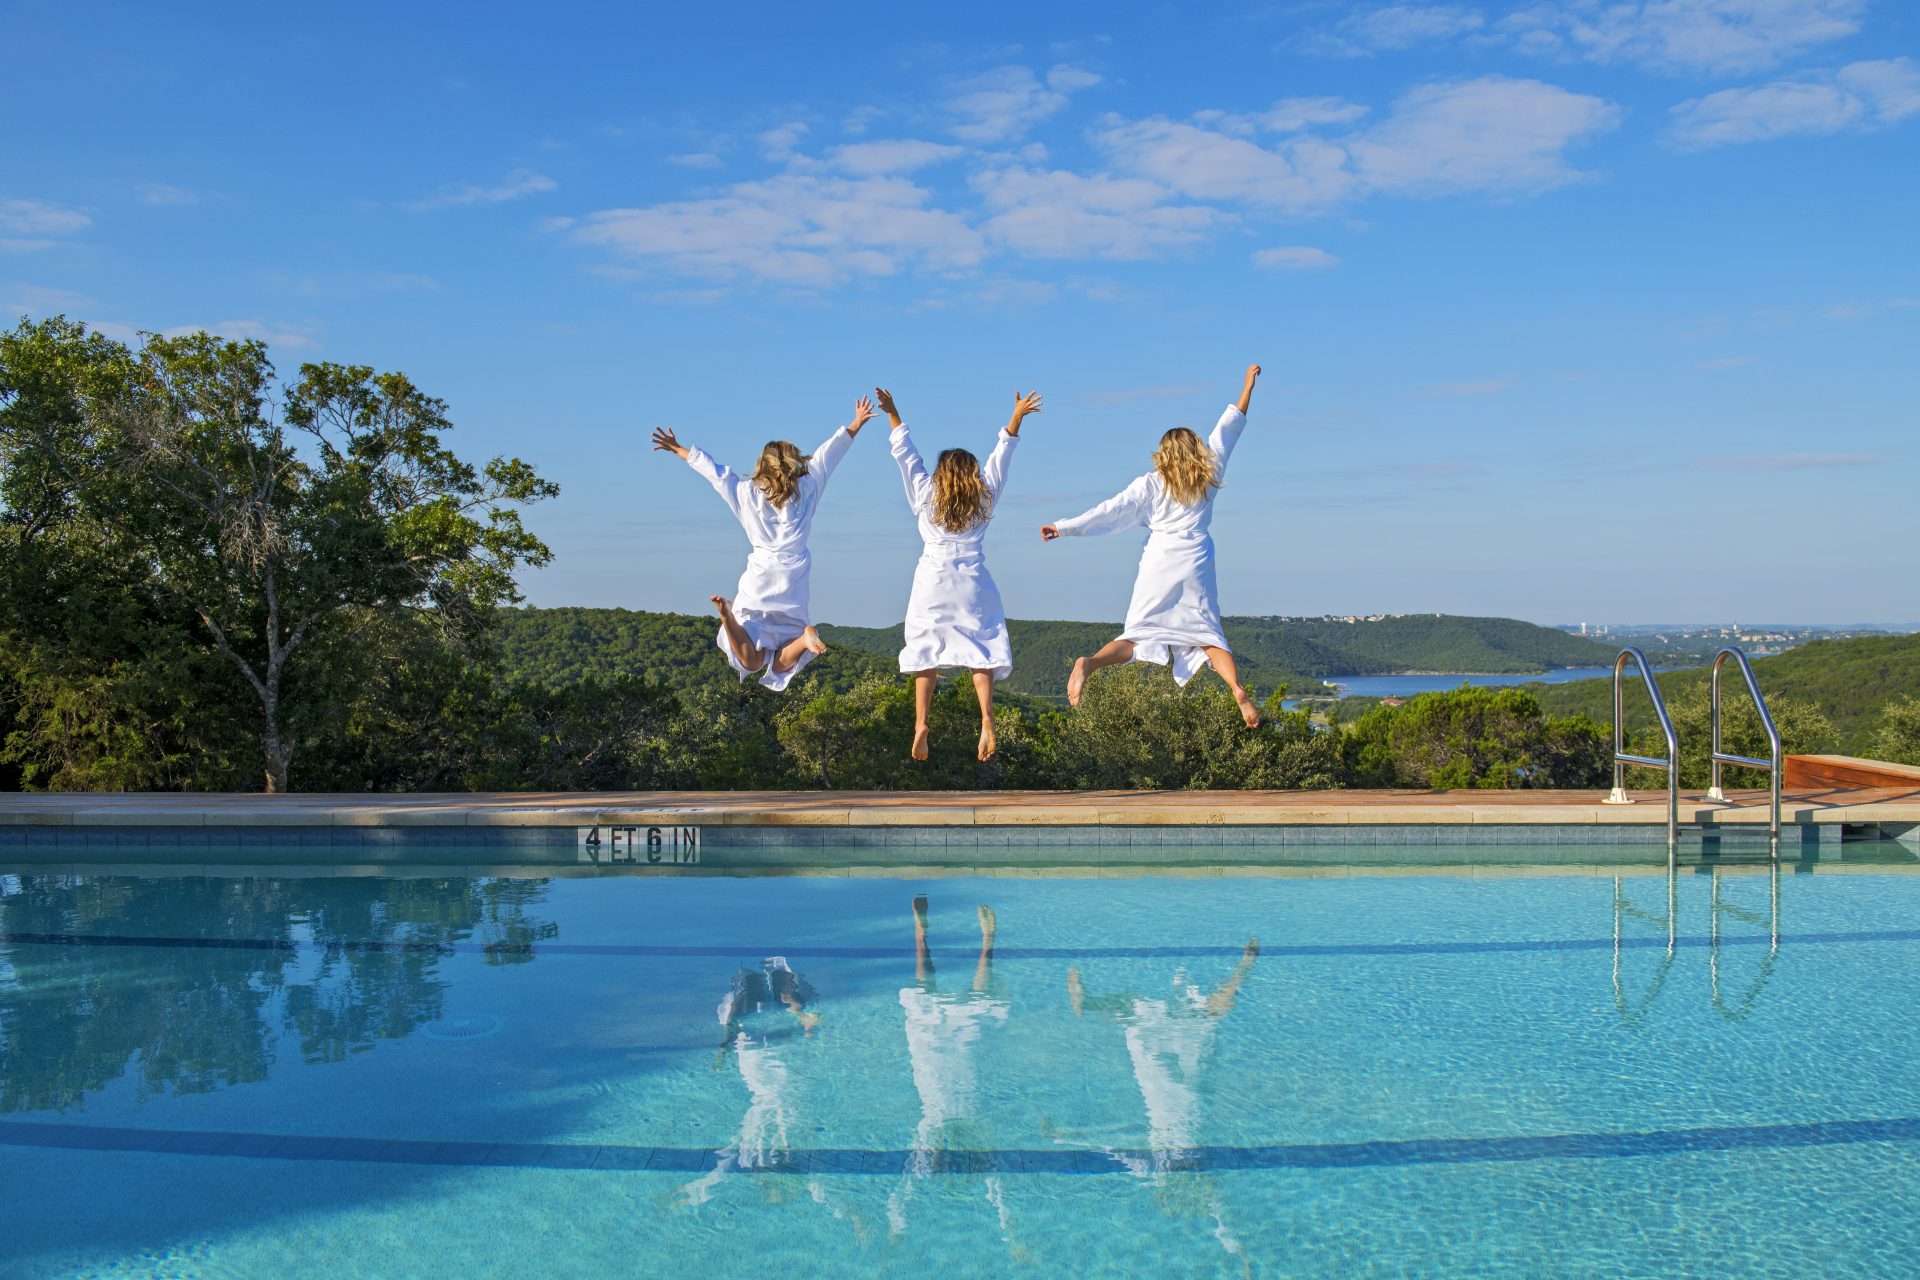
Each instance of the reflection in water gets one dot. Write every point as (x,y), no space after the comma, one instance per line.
(943,1040)
(1167,1041)
(334,965)
(1634,1012)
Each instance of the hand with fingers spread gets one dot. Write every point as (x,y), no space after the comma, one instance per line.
(663,438)
(885,398)
(862,414)
(1022,406)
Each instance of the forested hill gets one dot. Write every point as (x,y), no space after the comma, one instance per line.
(1851,680)
(558,646)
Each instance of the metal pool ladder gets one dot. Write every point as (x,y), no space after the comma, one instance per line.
(1672,762)
(1771,764)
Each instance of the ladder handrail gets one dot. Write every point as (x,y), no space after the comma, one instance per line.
(1772,763)
(1620,757)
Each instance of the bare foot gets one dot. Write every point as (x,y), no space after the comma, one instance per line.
(987,927)
(811,638)
(988,742)
(920,911)
(920,736)
(724,606)
(1248,712)
(1077,682)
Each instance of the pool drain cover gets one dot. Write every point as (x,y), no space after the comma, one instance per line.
(466,1026)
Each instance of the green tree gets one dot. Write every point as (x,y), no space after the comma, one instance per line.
(1803,728)
(1473,737)
(1898,739)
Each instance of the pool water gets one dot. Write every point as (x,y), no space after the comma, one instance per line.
(1494,1074)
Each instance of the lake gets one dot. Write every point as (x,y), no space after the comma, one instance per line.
(1408,685)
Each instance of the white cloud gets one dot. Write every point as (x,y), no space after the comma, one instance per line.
(1724,36)
(866,159)
(41,218)
(1489,134)
(1002,104)
(1859,96)
(1301,173)
(1056,214)
(39,300)
(1297,257)
(778,143)
(517,183)
(696,160)
(1290,115)
(1727,36)
(166,194)
(18,244)
(286,337)
(794,229)
(1394,26)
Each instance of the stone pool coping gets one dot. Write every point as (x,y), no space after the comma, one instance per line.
(1834,805)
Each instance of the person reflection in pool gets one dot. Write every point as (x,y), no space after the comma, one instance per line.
(759,1017)
(1168,1039)
(943,1037)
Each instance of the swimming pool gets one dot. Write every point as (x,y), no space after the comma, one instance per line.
(1466,1073)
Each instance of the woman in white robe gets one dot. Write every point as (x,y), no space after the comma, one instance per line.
(954,616)
(765,630)
(1174,616)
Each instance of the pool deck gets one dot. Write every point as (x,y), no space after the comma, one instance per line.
(1815,805)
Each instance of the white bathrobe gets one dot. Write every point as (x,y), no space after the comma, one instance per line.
(954,616)
(771,600)
(1175,612)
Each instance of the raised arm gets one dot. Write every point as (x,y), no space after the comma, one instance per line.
(1123,510)
(822,461)
(994,472)
(1226,432)
(913,470)
(730,487)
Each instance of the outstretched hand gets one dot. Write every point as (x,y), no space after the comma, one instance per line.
(885,399)
(862,414)
(663,438)
(1048,532)
(1246,391)
(1022,406)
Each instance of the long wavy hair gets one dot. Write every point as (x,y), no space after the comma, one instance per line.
(1186,467)
(960,498)
(777,474)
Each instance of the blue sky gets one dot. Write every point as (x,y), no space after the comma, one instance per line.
(1569,310)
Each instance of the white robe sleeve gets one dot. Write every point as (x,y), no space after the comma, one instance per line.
(1124,510)
(1226,434)
(913,470)
(729,484)
(828,455)
(995,471)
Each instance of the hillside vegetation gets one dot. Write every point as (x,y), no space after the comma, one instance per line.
(1852,681)
(557,646)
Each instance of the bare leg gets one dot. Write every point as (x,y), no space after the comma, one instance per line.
(807,641)
(922,956)
(1223,663)
(1220,1003)
(922,704)
(745,652)
(983,690)
(1112,654)
(984,969)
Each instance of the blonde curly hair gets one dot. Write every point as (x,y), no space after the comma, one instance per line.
(777,474)
(1186,467)
(960,499)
